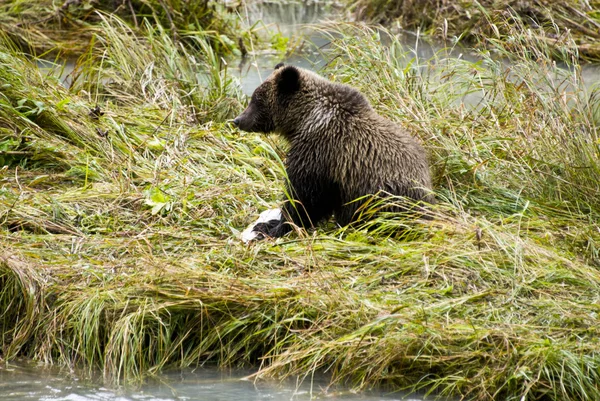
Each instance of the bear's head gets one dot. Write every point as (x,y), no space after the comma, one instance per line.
(271,101)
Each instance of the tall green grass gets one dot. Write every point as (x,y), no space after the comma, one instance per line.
(478,21)
(120,250)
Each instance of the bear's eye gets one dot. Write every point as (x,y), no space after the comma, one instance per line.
(257,99)
(258,96)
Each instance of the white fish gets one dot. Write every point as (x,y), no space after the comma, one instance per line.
(268,215)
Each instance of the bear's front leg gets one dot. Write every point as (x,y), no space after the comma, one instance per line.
(313,201)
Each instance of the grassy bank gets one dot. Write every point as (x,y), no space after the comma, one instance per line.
(67,26)
(119,229)
(485,21)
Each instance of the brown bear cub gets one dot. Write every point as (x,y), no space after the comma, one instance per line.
(340,148)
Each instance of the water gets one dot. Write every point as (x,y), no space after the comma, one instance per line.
(290,20)
(294,19)
(26,381)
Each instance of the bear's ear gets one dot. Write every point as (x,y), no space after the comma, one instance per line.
(288,80)
(278,66)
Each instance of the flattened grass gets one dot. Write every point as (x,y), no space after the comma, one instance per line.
(41,26)
(120,250)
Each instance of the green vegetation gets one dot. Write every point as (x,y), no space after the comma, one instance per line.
(485,21)
(67,26)
(119,225)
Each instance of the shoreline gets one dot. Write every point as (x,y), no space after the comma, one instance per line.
(485,23)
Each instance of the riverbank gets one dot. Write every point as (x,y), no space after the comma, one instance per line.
(486,23)
(122,198)
(67,27)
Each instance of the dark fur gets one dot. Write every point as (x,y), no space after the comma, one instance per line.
(340,148)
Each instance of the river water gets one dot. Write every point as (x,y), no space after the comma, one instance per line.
(27,381)
(293,19)
(290,20)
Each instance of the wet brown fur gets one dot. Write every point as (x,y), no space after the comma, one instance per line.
(340,148)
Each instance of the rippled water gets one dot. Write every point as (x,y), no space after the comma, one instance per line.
(26,381)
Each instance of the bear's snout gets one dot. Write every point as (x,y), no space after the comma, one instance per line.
(244,121)
(241,122)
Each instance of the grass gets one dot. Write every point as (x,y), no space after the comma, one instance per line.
(483,20)
(119,231)
(66,27)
